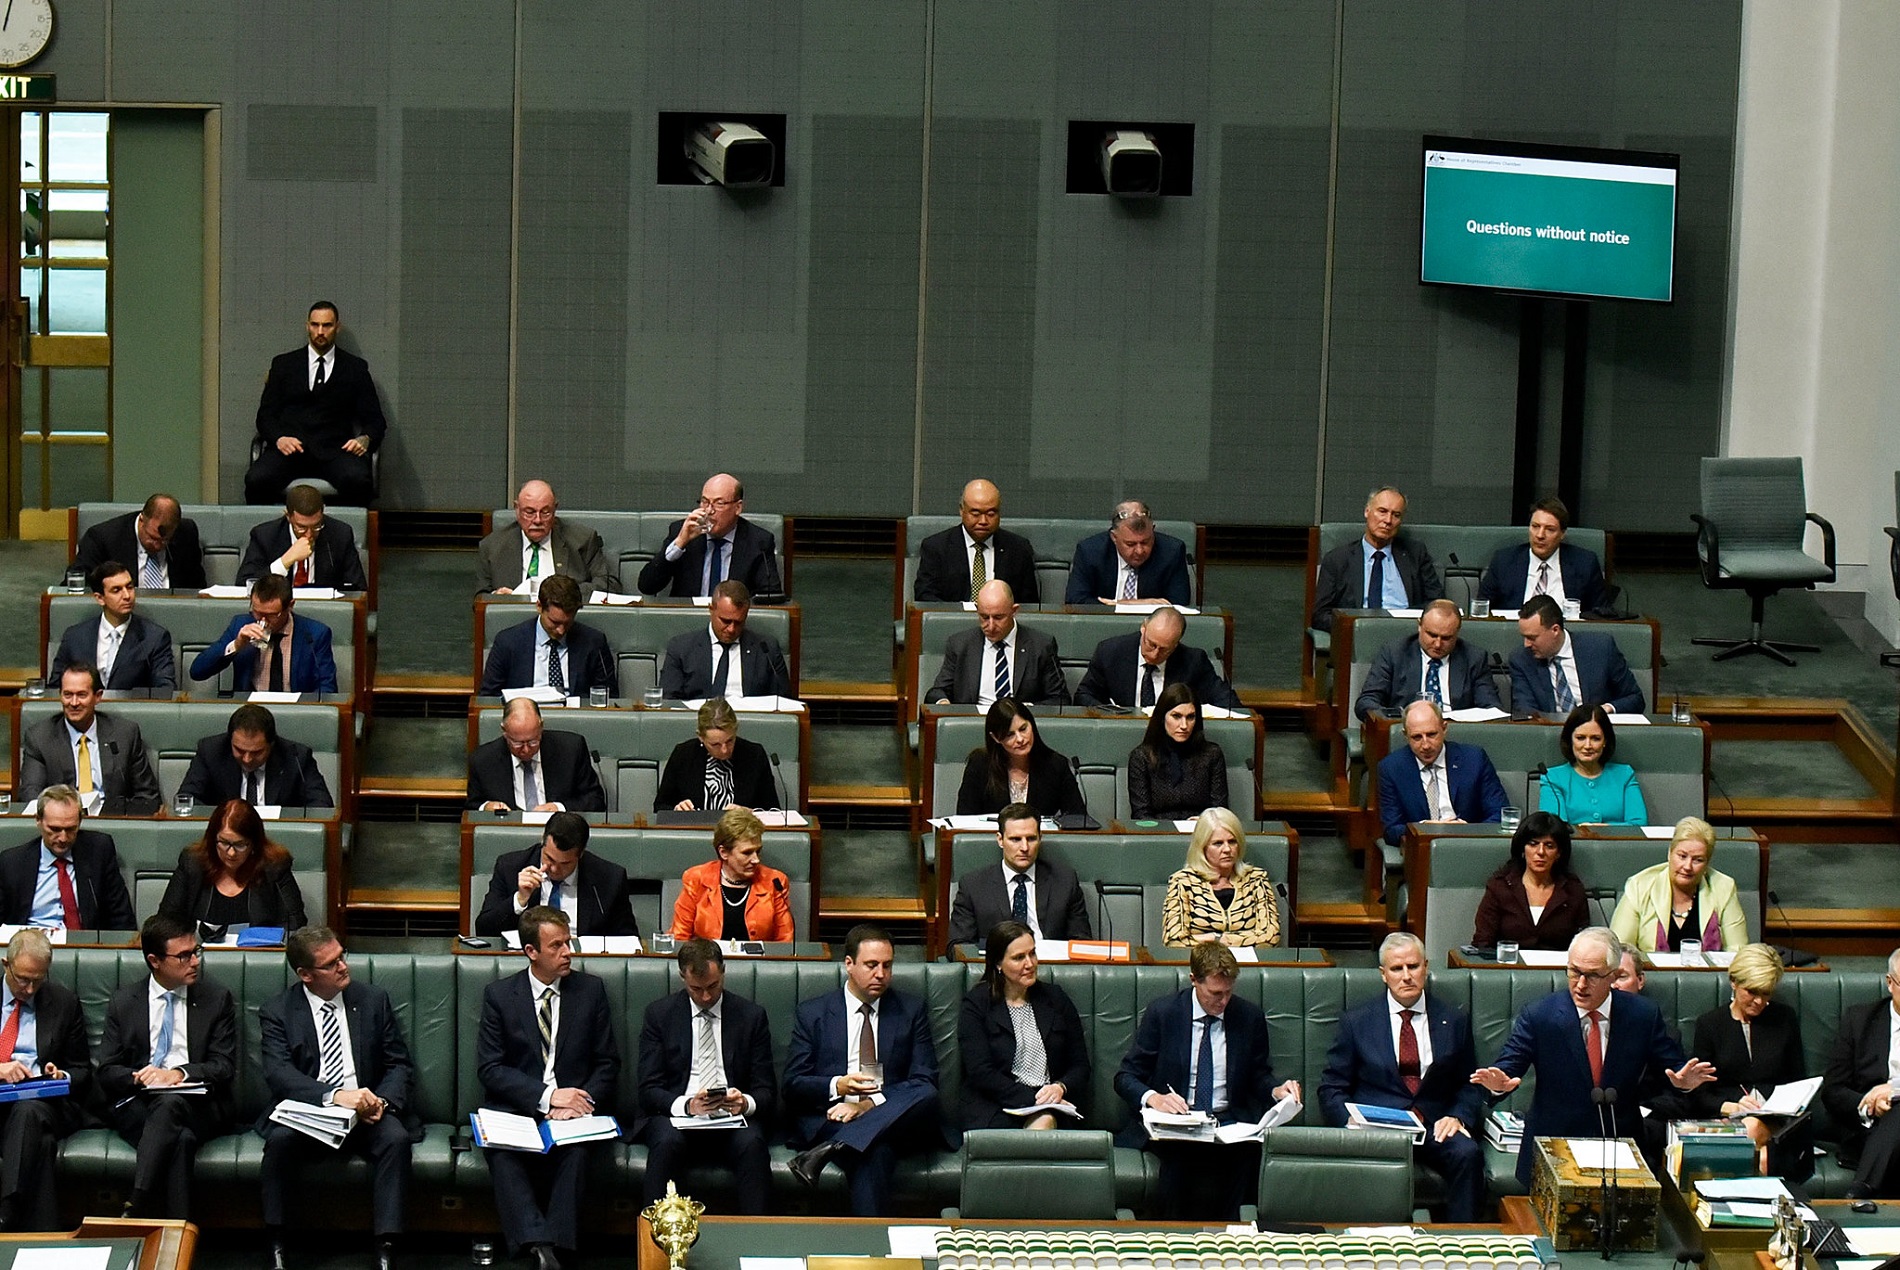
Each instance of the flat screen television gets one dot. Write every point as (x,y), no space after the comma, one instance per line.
(1566,221)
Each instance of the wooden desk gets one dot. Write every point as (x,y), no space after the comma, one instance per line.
(139,1243)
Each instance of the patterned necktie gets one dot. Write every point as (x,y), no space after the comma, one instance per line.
(1432,792)
(152,573)
(977,574)
(1593,1045)
(556,679)
(544,1022)
(162,1050)
(1019,906)
(706,1064)
(1204,1066)
(534,562)
(318,382)
(1002,668)
(68,898)
(1561,682)
(110,658)
(1375,585)
(1128,585)
(331,1072)
(1408,1053)
(1434,685)
(85,765)
(867,1039)
(723,671)
(1543,579)
(530,793)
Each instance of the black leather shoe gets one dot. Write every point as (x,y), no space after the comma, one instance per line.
(1858,1190)
(276,1259)
(542,1257)
(385,1254)
(807,1165)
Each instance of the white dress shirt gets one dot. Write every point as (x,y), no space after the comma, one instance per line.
(570,892)
(1554,583)
(854,1024)
(106,648)
(696,1079)
(541,642)
(1583,1023)
(164,561)
(329,365)
(1141,673)
(261,680)
(1194,1060)
(540,781)
(1435,775)
(532,586)
(535,991)
(1567,658)
(735,677)
(92,746)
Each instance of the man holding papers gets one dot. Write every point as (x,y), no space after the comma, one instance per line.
(546,1048)
(1862,1074)
(706,1081)
(331,1042)
(1406,1050)
(42,1037)
(1202,1050)
(166,1064)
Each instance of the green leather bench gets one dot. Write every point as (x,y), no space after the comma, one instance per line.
(631,539)
(225,531)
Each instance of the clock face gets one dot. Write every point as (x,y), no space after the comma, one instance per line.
(26,28)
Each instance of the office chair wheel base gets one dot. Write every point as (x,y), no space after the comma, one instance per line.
(1777,649)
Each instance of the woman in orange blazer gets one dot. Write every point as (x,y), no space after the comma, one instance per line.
(734,896)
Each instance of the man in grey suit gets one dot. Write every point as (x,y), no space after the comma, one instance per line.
(1378,569)
(130,651)
(1433,664)
(93,752)
(514,558)
(725,660)
(970,674)
(1041,894)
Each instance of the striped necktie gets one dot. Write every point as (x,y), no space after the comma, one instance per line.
(332,1060)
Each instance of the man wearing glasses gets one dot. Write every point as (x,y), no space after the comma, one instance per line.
(267,649)
(1862,1075)
(713,544)
(515,559)
(1589,1038)
(42,1035)
(166,1065)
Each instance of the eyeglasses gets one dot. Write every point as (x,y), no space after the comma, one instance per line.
(718,504)
(535,513)
(325,967)
(1589,976)
(238,845)
(187,957)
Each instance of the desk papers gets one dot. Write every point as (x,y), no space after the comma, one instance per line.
(97,1257)
(540,696)
(1064,1108)
(328,1125)
(1603,1153)
(275,698)
(1623,720)
(1476,714)
(611,598)
(1868,1241)
(690,1123)
(916,1241)
(618,945)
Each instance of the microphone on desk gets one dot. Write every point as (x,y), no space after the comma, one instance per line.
(1599,894)
(1531,777)
(1088,817)
(784,799)
(1605,1096)
(1789,956)
(1104,889)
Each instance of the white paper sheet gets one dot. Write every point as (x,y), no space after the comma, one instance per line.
(964,822)
(1476,714)
(225,592)
(1405,612)
(1245,956)
(1601,1153)
(1745,1188)
(1661,833)
(1045,1108)
(620,945)
(268,811)
(275,698)
(1677,961)
(583,1129)
(916,1241)
(536,817)
(611,598)
(1052,950)
(781,819)
(1622,720)
(1149,606)
(315,593)
(54,934)
(1790,1099)
(697,1124)
(63,1258)
(774,1263)
(505,1129)
(543,696)
(1543,958)
(1868,1241)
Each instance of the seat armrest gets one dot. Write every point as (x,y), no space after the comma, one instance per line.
(1827,541)
(1708,548)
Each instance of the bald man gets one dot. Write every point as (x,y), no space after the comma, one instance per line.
(715,543)
(969,675)
(1131,670)
(537,544)
(953,565)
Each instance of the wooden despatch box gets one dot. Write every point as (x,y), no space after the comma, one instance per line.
(1569,1200)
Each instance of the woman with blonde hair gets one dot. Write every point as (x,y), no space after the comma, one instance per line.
(1755,1043)
(1216,894)
(1682,898)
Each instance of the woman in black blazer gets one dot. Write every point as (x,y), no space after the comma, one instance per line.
(1538,873)
(1014,766)
(1007,1007)
(234,876)
(1755,1043)
(748,783)
(1176,773)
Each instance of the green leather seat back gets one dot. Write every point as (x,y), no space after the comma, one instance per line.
(1022,1174)
(1335,1175)
(637,633)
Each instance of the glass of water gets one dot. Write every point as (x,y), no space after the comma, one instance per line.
(1509,818)
(653,697)
(1507,952)
(182,805)
(1481,608)
(1680,711)
(597,697)
(6,804)
(1691,951)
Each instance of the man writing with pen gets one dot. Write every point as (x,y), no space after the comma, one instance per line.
(42,1036)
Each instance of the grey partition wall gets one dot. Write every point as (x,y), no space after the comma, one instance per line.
(631,539)
(637,633)
(148,853)
(224,531)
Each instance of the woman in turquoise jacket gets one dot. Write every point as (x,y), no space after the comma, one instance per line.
(1589,789)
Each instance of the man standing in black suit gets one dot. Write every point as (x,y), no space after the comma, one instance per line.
(42,1034)
(1434,664)
(546,1048)
(101,755)
(1379,569)
(952,566)
(157,543)
(162,1030)
(67,877)
(130,651)
(1131,670)
(1030,669)
(553,649)
(594,893)
(249,760)
(726,660)
(1863,1074)
(319,417)
(305,546)
(1044,895)
(713,544)
(693,1044)
(332,1042)
(528,768)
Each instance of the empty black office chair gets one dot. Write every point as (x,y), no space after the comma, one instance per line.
(1749,538)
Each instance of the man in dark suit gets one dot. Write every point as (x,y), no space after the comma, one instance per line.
(1129,561)
(306,665)
(546,1048)
(173,1026)
(1563,1036)
(130,651)
(42,1034)
(747,664)
(68,877)
(697,1041)
(318,417)
(1546,565)
(539,545)
(561,874)
(330,1041)
(861,1076)
(1415,1053)
(528,768)
(98,754)
(1131,670)
(1378,570)
(1434,780)
(969,674)
(1434,664)
(952,566)
(1863,1073)
(551,649)
(1591,665)
(713,544)
(157,543)
(249,760)
(1174,1050)
(1044,895)
(305,546)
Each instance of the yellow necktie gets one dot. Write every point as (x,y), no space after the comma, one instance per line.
(85,767)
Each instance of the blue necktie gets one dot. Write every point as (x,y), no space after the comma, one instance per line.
(714,548)
(1434,686)
(163,1049)
(1375,585)
(1002,668)
(1204,1066)
(1565,702)
(554,895)
(1019,907)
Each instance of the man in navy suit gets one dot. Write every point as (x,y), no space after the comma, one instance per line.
(948,568)
(1546,565)
(529,768)
(130,651)
(1202,1049)
(1131,670)
(747,664)
(861,1077)
(330,1041)
(713,544)
(31,1129)
(1591,665)
(249,760)
(1434,780)
(1591,1037)
(1379,569)
(67,876)
(306,665)
(560,873)
(551,649)
(1129,561)
(968,675)
(318,417)
(1434,664)
(1414,1052)
(699,1040)
(305,546)
(546,1049)
(157,543)
(1047,892)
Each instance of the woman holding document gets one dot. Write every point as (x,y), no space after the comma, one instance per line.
(1021,1040)
(1755,1043)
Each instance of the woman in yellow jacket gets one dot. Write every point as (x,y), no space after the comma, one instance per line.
(1682,898)
(734,896)
(1216,894)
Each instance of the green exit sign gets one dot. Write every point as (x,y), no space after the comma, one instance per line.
(27,88)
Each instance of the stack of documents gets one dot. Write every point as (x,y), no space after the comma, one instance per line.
(1739,1201)
(1198,1126)
(1363,1115)
(506,1131)
(328,1125)
(1505,1130)
(1063,1108)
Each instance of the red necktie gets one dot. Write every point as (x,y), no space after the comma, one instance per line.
(1408,1053)
(1594,1045)
(68,898)
(302,576)
(10,1033)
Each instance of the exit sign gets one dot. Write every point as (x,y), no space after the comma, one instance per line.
(27,88)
